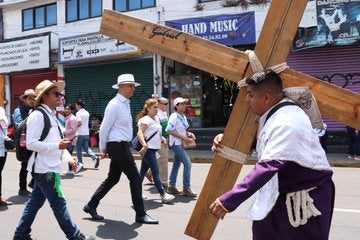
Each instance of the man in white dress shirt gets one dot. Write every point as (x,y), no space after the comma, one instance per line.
(116,132)
(45,165)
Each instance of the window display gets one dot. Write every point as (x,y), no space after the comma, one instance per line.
(189,87)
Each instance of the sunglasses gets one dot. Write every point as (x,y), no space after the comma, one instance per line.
(57,94)
(163,103)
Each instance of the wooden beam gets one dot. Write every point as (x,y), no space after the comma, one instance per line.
(176,45)
(227,62)
(272,48)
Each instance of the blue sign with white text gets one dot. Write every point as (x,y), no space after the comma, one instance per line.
(236,29)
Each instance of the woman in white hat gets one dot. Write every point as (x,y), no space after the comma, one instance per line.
(177,129)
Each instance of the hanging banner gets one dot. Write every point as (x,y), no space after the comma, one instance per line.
(92,46)
(338,24)
(25,54)
(236,29)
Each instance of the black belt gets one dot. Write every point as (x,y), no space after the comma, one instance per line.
(121,142)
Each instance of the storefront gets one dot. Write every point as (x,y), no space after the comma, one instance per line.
(211,98)
(92,62)
(335,64)
(26,61)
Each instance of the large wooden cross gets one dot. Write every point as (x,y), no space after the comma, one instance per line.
(272,48)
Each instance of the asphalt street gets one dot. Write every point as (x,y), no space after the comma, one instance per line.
(119,222)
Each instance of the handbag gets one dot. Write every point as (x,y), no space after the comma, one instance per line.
(191,144)
(136,143)
(8,142)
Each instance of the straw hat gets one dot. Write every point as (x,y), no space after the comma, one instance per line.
(125,79)
(28,92)
(44,86)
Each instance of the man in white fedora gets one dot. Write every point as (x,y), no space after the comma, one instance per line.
(116,132)
(20,113)
(45,164)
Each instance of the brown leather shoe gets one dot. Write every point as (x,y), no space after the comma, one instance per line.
(188,192)
(172,190)
(4,202)
(149,177)
(165,185)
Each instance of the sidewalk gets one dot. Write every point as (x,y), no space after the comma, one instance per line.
(201,156)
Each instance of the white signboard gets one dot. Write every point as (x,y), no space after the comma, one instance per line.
(25,54)
(91,46)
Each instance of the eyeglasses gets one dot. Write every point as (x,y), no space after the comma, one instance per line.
(163,103)
(57,94)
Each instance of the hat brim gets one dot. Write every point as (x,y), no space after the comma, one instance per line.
(23,96)
(60,86)
(116,86)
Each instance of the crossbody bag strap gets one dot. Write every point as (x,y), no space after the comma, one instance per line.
(277,107)
(151,136)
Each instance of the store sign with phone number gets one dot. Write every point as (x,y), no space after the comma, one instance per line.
(235,29)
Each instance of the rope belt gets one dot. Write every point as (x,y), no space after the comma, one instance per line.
(300,207)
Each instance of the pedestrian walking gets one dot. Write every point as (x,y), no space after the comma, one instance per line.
(3,153)
(45,165)
(291,182)
(83,134)
(116,132)
(20,113)
(149,134)
(177,129)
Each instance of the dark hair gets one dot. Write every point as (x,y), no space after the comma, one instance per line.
(72,108)
(80,102)
(266,78)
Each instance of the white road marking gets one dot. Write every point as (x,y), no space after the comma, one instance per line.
(346,210)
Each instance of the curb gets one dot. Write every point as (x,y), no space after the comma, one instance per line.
(339,162)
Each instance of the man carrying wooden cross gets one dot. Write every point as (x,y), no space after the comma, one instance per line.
(294,192)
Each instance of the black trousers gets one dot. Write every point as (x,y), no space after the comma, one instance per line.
(2,163)
(23,176)
(122,161)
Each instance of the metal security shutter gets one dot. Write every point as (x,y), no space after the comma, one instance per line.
(339,65)
(20,82)
(93,84)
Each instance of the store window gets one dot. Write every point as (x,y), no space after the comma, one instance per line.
(82,9)
(128,5)
(210,98)
(39,17)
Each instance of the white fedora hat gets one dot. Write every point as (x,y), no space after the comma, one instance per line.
(125,79)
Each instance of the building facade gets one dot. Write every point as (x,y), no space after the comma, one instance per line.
(60,40)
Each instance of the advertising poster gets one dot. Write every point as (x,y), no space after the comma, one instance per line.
(338,23)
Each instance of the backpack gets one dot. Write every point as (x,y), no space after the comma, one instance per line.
(22,153)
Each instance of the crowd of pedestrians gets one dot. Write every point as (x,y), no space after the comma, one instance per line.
(157,132)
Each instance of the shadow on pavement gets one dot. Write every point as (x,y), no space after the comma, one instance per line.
(110,229)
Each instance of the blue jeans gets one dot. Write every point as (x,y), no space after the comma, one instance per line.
(83,143)
(149,161)
(180,156)
(44,189)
